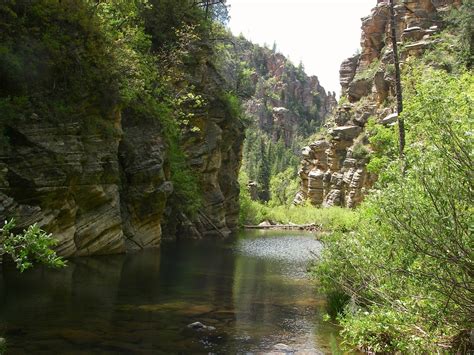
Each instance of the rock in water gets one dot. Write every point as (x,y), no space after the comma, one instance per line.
(196,325)
(200,326)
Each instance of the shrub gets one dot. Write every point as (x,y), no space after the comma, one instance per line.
(408,266)
(369,72)
(283,187)
(30,246)
(360,151)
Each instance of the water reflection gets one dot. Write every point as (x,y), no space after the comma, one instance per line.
(253,290)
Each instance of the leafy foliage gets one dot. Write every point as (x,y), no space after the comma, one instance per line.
(32,246)
(283,187)
(369,72)
(408,266)
(462,21)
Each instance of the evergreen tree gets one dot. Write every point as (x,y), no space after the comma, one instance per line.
(263,178)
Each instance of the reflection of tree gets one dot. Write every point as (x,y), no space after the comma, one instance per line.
(60,308)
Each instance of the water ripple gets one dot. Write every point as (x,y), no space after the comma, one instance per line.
(295,249)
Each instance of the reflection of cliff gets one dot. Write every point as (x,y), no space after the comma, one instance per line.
(59,310)
(139,302)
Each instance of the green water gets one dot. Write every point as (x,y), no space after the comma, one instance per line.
(253,289)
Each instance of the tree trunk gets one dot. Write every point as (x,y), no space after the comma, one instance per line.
(398,83)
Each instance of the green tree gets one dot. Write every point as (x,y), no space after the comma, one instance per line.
(462,20)
(264,174)
(283,187)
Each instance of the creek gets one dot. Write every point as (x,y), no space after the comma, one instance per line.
(253,289)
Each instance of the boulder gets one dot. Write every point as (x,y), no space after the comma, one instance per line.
(392,118)
(358,89)
(282,348)
(199,326)
(346,133)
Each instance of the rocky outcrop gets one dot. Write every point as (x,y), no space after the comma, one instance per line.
(215,153)
(98,194)
(333,170)
(348,71)
(332,174)
(282,99)
(145,184)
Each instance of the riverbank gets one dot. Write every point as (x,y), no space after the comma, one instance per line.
(255,215)
(313,227)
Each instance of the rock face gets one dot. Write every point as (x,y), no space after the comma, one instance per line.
(281,99)
(145,183)
(97,194)
(215,153)
(333,170)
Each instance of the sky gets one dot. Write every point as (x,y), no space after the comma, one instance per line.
(319,33)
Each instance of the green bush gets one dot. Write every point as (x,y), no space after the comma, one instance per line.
(369,72)
(360,151)
(31,246)
(283,188)
(407,267)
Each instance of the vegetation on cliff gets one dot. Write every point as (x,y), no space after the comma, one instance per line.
(283,106)
(402,278)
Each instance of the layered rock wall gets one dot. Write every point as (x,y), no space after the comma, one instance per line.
(95,170)
(98,194)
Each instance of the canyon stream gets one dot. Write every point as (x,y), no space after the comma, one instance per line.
(250,294)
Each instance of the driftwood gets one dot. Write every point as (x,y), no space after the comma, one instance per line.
(211,223)
(312,226)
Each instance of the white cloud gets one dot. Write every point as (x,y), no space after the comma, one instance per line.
(320,33)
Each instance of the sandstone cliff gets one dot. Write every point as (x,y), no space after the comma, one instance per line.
(333,171)
(85,164)
(215,154)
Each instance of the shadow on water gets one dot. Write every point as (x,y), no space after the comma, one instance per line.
(253,290)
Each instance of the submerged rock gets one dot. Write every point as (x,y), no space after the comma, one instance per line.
(200,326)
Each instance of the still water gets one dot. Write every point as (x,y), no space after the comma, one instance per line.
(253,290)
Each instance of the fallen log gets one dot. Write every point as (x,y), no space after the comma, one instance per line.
(312,226)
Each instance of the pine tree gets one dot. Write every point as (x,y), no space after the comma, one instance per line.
(263,178)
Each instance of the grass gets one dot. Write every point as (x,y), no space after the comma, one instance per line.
(330,219)
(369,72)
